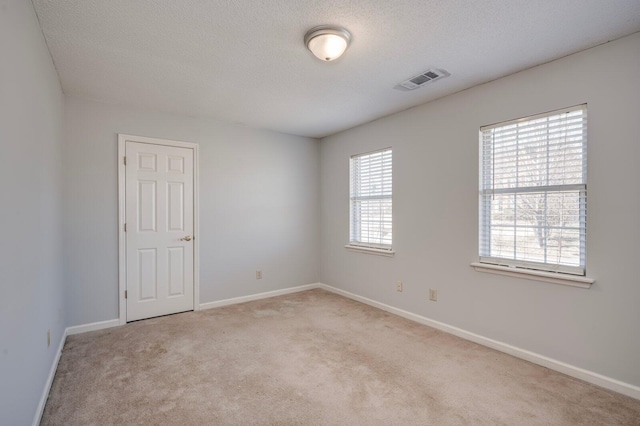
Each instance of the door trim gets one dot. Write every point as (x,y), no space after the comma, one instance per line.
(122,248)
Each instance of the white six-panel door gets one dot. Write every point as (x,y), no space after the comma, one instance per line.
(159,205)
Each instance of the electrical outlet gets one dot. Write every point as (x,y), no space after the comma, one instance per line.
(258,274)
(433,295)
(399,285)
(48,337)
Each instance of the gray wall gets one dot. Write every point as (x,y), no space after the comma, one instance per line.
(31,291)
(435,171)
(259,205)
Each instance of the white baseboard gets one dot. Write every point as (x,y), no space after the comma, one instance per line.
(570,370)
(116,322)
(77,329)
(49,382)
(251,297)
(54,366)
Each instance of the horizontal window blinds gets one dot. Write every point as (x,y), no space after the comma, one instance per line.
(371,199)
(533,192)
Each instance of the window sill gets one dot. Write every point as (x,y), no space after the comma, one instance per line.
(549,277)
(370,250)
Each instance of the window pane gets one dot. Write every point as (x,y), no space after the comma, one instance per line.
(542,152)
(533,191)
(374,224)
(371,198)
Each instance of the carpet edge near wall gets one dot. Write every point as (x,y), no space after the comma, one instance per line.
(594,378)
(561,367)
(47,385)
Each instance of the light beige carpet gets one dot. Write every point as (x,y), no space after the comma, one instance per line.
(310,358)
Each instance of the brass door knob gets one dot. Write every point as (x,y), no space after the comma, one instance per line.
(187,238)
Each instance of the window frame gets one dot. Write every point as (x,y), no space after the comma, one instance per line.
(359,245)
(488,263)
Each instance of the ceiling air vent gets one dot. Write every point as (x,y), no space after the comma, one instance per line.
(423,78)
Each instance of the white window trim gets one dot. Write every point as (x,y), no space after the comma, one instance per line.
(531,274)
(566,275)
(370,250)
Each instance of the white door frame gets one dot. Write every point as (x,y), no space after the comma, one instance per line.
(122,248)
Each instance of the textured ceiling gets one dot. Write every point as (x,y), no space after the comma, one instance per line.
(244,61)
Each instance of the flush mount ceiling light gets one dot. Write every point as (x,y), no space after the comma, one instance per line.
(327,43)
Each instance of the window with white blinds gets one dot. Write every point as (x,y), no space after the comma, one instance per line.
(533,192)
(371,200)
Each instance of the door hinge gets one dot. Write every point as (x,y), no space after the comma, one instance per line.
(125,161)
(125,227)
(125,294)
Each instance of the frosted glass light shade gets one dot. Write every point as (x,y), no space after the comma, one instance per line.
(327,47)
(326,43)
